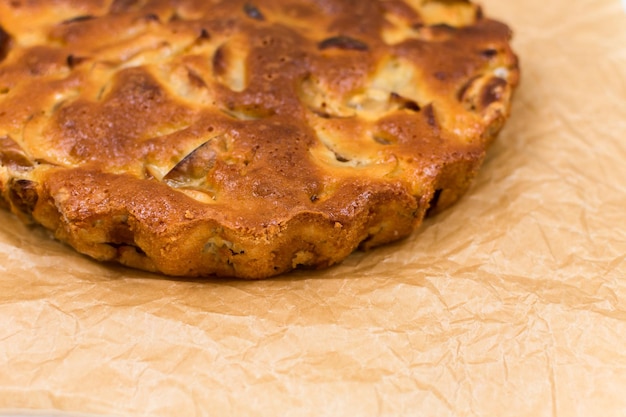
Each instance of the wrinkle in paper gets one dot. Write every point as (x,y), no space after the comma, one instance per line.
(512,303)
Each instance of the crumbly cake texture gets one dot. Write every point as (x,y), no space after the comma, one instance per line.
(244,138)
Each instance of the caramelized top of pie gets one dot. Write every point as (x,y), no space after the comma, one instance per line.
(244,138)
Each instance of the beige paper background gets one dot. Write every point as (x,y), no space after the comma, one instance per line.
(513,303)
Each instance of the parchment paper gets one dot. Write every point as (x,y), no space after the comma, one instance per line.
(512,303)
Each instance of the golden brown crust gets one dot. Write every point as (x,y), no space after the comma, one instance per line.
(244,138)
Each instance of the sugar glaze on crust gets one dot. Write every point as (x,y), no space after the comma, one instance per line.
(244,138)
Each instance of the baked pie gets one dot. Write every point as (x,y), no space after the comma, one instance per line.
(244,138)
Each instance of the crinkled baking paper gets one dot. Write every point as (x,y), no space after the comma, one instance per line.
(512,303)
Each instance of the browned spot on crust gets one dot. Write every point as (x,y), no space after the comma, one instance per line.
(194,166)
(73,61)
(5,40)
(431,117)
(77,19)
(492,91)
(220,60)
(253,12)
(204,34)
(23,195)
(404,103)
(479,13)
(11,155)
(344,43)
(489,53)
(121,6)
(460,95)
(432,205)
(195,79)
